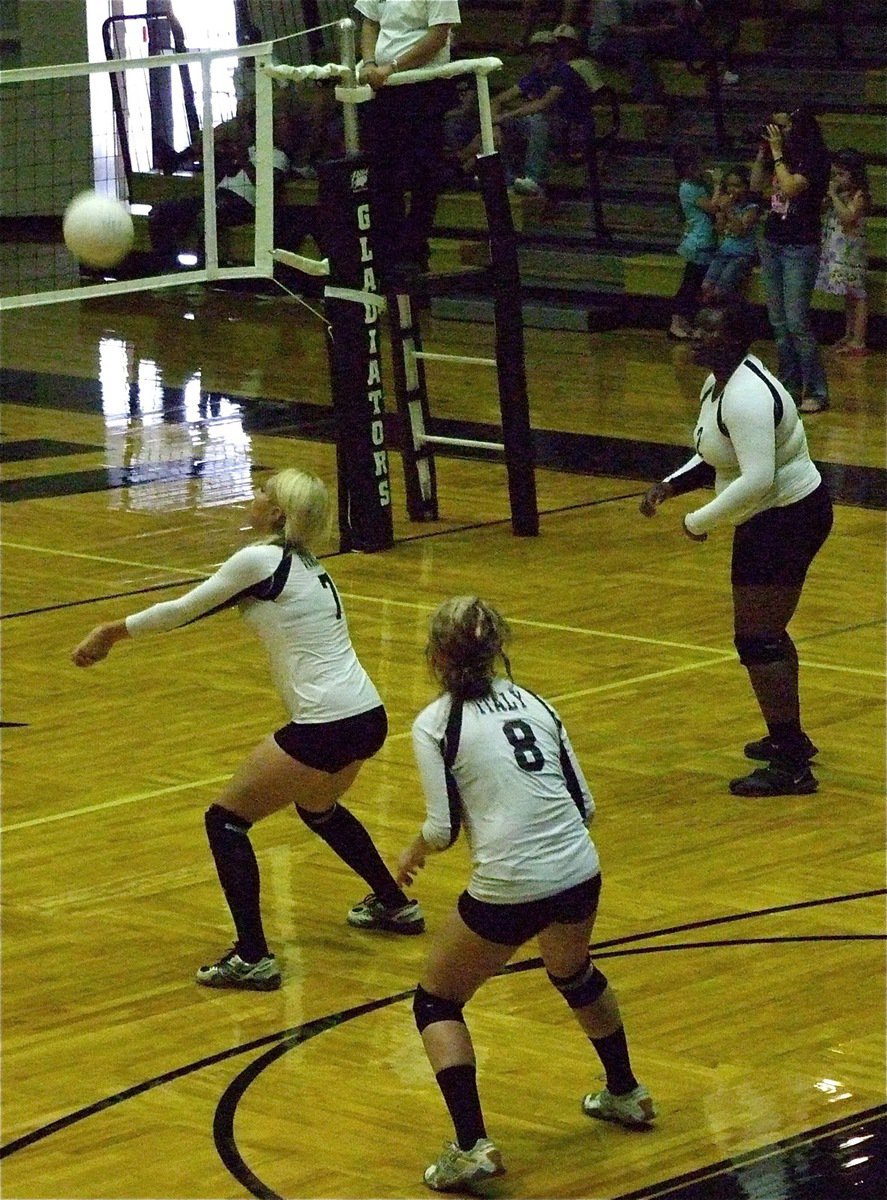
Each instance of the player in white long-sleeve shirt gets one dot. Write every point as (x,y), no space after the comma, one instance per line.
(337,719)
(751,443)
(495,759)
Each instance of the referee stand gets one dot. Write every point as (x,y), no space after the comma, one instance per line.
(409,358)
(353,307)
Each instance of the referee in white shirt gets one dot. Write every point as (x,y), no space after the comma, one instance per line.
(403,127)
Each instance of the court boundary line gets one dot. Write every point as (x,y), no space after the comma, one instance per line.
(561,698)
(295,1035)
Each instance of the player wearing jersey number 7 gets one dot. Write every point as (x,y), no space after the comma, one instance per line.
(337,719)
(750,443)
(496,758)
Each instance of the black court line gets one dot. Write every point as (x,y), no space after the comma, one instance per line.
(712,1182)
(29,612)
(554,449)
(297,1033)
(143,591)
(226,1110)
(28,448)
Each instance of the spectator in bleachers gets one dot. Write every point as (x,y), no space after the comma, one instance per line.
(698,244)
(793,161)
(535,112)
(844,256)
(569,47)
(634,33)
(737,213)
(570,13)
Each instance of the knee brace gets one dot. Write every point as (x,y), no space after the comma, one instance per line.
(427,1009)
(758,649)
(217,819)
(583,988)
(314,820)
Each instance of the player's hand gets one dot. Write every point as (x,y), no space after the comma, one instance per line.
(95,646)
(653,497)
(694,537)
(408,865)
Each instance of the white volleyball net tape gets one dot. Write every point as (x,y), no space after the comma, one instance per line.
(213,153)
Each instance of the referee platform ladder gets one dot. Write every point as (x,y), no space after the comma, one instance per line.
(408,358)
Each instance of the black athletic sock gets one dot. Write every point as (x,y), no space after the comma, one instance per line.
(345,835)
(458,1086)
(239,876)
(612,1050)
(790,740)
(785,731)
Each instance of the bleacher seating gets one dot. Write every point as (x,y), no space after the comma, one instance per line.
(561,251)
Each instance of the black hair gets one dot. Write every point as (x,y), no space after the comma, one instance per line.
(854,164)
(739,322)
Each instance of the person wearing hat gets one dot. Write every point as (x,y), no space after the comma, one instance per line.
(528,114)
(569,45)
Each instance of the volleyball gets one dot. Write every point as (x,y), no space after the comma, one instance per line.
(98,230)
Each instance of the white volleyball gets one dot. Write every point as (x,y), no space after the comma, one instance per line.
(98,230)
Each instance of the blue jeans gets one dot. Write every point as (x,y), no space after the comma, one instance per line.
(789,273)
(728,272)
(531,136)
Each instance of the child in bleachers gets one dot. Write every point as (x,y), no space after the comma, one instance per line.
(699,243)
(736,217)
(842,266)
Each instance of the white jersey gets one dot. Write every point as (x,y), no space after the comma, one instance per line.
(753,437)
(403,23)
(504,767)
(292,604)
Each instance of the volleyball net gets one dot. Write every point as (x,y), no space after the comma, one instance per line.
(245,164)
(215,153)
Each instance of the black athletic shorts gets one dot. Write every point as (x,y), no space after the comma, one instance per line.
(514,924)
(332,745)
(777,545)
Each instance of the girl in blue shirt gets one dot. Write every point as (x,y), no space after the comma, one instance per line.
(698,244)
(736,221)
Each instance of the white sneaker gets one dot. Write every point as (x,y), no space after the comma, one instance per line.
(635,1109)
(527,187)
(231,971)
(371,913)
(459,1170)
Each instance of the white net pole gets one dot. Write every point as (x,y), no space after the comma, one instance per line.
(264,219)
(211,233)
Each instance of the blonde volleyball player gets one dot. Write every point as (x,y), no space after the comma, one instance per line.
(496,758)
(337,719)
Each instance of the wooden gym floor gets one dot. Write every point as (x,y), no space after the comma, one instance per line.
(746,940)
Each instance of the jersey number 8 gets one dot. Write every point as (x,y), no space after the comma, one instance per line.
(524,746)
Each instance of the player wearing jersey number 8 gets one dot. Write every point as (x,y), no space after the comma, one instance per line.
(496,758)
(337,719)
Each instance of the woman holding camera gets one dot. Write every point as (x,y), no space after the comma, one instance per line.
(793,160)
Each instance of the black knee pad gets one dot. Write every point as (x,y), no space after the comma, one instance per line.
(218,819)
(315,820)
(427,1009)
(756,650)
(583,988)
